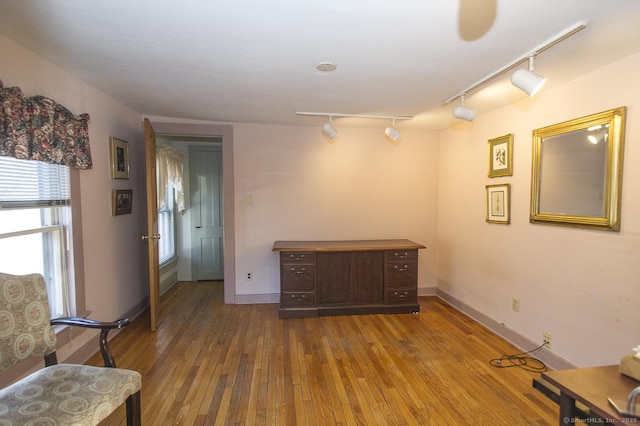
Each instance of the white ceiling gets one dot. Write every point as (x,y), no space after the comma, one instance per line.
(255,60)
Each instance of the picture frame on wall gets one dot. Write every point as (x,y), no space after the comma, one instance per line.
(501,156)
(119,158)
(499,203)
(122,201)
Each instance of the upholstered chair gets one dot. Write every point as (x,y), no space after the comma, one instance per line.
(58,394)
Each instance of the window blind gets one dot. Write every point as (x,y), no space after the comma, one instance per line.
(29,183)
(166,228)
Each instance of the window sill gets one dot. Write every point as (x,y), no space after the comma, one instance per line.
(171,263)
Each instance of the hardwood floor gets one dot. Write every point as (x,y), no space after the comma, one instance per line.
(210,363)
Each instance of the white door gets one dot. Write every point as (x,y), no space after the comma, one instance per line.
(207,219)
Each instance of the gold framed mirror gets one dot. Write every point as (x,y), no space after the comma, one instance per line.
(576,177)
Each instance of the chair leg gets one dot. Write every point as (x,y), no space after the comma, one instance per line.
(133,410)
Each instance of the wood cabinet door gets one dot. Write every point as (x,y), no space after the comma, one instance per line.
(332,278)
(366,277)
(350,278)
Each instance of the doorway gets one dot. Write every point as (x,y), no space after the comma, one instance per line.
(200,134)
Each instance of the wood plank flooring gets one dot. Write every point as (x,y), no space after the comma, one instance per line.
(215,364)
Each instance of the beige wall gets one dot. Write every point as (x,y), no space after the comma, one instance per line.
(114,256)
(306,188)
(582,286)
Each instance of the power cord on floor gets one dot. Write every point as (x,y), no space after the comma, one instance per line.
(521,360)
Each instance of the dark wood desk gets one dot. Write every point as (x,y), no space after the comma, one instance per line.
(348,277)
(591,387)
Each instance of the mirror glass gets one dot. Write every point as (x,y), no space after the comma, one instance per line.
(577,172)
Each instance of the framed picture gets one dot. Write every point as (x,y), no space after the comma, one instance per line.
(119,158)
(501,156)
(499,203)
(122,201)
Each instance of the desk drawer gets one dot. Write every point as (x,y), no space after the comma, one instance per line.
(401,296)
(297,256)
(400,255)
(297,299)
(297,276)
(400,274)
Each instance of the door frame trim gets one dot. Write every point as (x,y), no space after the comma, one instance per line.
(226,132)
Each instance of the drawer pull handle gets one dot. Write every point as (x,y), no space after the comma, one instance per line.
(294,296)
(297,257)
(406,268)
(297,272)
(401,295)
(401,255)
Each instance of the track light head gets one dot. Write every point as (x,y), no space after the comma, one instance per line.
(329,131)
(528,81)
(392,133)
(464,112)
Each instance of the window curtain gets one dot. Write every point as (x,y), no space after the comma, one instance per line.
(170,174)
(39,128)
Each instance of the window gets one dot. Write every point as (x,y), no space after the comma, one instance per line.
(35,225)
(170,198)
(166,228)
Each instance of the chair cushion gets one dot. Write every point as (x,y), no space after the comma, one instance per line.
(67,394)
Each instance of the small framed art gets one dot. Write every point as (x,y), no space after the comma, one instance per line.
(122,201)
(119,158)
(501,156)
(499,203)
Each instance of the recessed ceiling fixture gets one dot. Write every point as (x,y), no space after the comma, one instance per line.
(523,79)
(332,133)
(326,67)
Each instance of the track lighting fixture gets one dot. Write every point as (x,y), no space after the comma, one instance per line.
(527,80)
(523,79)
(464,112)
(392,132)
(331,132)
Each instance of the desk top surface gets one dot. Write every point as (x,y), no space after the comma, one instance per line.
(346,245)
(593,386)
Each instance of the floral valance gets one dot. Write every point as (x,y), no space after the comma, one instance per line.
(39,128)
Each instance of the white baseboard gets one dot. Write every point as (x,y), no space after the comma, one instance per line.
(427,291)
(551,360)
(250,299)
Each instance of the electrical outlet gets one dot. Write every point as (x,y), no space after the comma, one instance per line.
(546,339)
(249,276)
(515,304)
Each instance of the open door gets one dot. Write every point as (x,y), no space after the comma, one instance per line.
(152,236)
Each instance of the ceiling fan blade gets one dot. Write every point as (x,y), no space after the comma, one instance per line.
(475,18)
